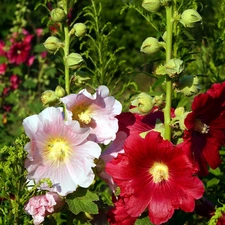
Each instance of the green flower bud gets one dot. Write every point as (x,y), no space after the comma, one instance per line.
(80,29)
(164,37)
(59,91)
(49,98)
(58,15)
(174,67)
(159,101)
(189,85)
(142,104)
(60,4)
(151,5)
(189,17)
(74,61)
(150,45)
(52,44)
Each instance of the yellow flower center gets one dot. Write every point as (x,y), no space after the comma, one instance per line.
(159,172)
(84,117)
(82,114)
(58,150)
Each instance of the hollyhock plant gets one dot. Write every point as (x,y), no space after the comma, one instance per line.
(96,112)
(40,206)
(154,174)
(205,125)
(60,151)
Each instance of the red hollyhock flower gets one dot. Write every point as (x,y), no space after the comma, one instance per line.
(135,123)
(221,220)
(205,125)
(154,174)
(118,214)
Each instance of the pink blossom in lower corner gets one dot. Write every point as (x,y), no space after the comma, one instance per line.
(40,206)
(97,112)
(59,150)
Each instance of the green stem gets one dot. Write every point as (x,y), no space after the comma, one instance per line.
(66,49)
(167,110)
(66,53)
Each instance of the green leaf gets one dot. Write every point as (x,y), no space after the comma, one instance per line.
(143,221)
(212,182)
(82,201)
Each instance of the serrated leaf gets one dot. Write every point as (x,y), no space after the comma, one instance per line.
(82,200)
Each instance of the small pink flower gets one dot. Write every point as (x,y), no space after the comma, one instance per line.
(39,32)
(59,150)
(15,81)
(2,48)
(44,54)
(40,206)
(30,60)
(3,68)
(97,112)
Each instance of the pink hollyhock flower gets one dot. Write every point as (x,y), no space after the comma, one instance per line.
(15,81)
(97,112)
(30,60)
(3,68)
(19,51)
(110,153)
(2,48)
(43,55)
(39,32)
(40,206)
(154,174)
(205,125)
(60,151)
(118,214)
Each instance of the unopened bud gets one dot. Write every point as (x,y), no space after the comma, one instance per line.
(80,29)
(142,104)
(52,44)
(151,5)
(177,122)
(74,61)
(49,98)
(164,37)
(150,45)
(189,85)
(159,101)
(174,67)
(60,4)
(58,15)
(59,91)
(189,17)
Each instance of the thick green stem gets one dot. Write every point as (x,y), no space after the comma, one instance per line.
(169,44)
